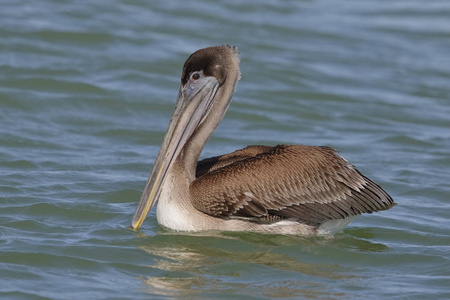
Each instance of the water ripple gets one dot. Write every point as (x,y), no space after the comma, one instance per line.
(87,90)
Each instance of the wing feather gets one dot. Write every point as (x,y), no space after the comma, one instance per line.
(310,184)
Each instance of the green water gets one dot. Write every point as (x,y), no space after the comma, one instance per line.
(86,93)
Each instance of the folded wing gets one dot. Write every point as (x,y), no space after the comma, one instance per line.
(266,184)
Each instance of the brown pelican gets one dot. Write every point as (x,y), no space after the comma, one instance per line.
(288,189)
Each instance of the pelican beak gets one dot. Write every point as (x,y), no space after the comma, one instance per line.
(193,104)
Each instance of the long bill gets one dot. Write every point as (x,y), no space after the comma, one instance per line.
(193,104)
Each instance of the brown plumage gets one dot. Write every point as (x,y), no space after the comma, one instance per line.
(306,183)
(283,189)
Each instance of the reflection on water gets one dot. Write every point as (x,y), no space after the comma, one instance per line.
(219,262)
(86,92)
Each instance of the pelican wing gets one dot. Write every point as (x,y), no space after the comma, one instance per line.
(213,163)
(310,184)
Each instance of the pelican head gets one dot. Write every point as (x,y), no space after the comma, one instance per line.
(208,82)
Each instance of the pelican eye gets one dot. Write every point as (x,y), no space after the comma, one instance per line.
(195,76)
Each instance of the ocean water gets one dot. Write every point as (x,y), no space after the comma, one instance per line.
(86,93)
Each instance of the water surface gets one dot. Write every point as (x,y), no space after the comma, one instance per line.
(86,93)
